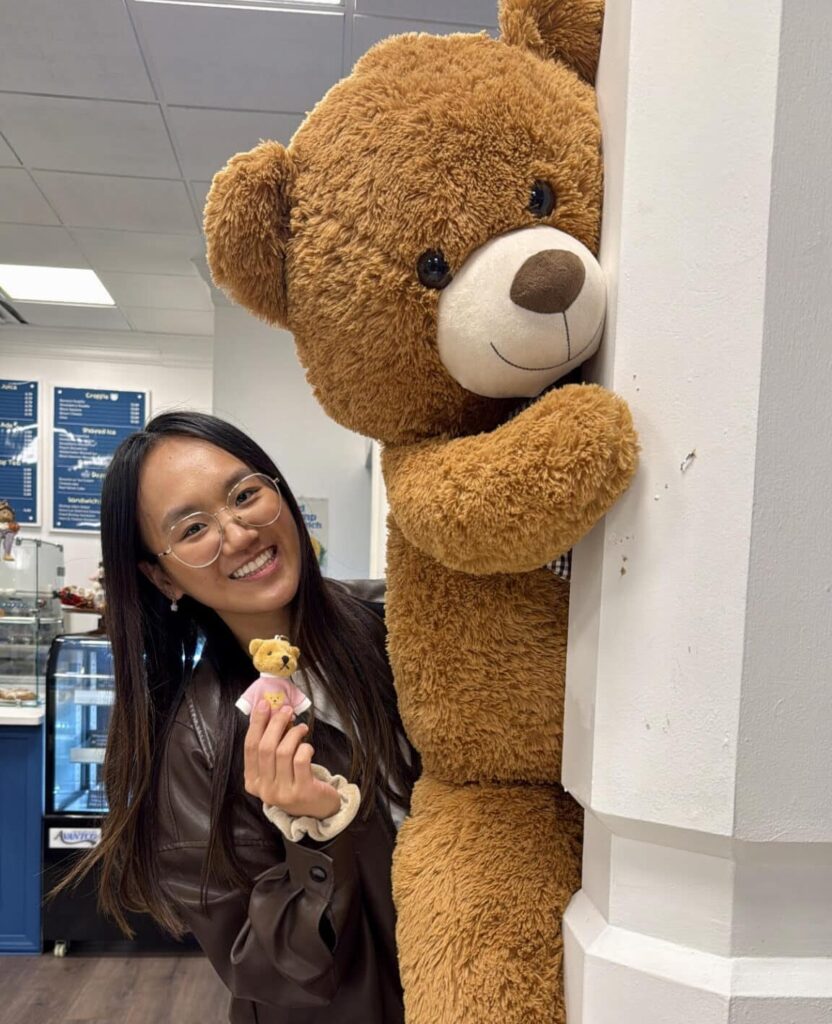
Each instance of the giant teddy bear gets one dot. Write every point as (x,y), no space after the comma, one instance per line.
(428,238)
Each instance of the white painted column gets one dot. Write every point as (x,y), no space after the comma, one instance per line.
(378,515)
(699,703)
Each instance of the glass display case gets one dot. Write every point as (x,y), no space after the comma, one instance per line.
(79,701)
(30,617)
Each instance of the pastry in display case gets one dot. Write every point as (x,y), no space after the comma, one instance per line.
(30,617)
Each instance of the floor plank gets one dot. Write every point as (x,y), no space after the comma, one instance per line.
(111,990)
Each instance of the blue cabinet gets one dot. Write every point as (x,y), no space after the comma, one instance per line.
(21,813)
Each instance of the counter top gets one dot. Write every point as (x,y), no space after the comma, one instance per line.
(21,716)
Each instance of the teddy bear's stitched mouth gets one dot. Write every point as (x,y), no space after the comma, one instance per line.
(554,366)
(537,369)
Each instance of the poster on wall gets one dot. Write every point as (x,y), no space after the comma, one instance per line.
(88,424)
(315,512)
(19,449)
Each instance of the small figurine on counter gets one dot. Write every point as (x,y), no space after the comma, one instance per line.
(97,580)
(276,659)
(9,526)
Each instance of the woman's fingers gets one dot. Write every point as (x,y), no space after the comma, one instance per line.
(268,744)
(256,727)
(285,756)
(303,766)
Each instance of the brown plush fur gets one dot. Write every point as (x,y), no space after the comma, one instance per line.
(483,875)
(378,179)
(434,142)
(569,31)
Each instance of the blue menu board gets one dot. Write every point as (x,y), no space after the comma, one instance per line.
(87,427)
(19,448)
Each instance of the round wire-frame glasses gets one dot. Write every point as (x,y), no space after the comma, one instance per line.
(180,529)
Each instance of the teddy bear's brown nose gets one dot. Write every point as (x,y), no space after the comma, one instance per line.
(285,659)
(549,281)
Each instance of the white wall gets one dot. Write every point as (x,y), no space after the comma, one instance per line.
(260,386)
(176,370)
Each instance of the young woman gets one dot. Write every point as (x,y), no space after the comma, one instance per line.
(213,816)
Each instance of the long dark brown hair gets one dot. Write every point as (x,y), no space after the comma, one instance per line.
(154,652)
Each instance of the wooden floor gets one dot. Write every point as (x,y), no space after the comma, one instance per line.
(110,990)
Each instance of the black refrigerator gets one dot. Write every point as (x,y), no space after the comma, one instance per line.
(79,699)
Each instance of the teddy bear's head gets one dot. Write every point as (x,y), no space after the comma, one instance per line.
(428,235)
(277,656)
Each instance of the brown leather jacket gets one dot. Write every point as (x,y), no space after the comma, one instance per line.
(312,939)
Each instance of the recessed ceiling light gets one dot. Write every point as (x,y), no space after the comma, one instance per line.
(255,5)
(66,286)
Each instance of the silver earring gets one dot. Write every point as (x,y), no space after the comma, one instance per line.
(174,605)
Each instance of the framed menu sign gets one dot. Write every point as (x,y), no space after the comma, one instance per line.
(88,424)
(19,448)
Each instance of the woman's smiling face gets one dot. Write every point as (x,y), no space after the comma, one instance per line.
(182,475)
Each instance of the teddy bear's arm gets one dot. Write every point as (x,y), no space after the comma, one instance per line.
(513,499)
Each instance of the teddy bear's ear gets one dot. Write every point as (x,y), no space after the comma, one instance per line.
(565,30)
(254,647)
(247,229)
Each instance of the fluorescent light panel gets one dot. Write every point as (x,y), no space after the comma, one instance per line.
(255,5)
(65,286)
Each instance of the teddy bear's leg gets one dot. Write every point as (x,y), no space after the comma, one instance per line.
(481,877)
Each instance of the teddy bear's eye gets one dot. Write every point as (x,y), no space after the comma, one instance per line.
(433,269)
(542,199)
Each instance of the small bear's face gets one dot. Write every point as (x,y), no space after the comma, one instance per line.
(430,231)
(277,656)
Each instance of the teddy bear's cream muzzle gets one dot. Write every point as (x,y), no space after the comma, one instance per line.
(523,310)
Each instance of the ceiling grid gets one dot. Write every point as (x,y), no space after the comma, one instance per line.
(115,114)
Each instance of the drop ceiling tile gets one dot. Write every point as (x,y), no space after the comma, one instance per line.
(7,157)
(82,48)
(131,204)
(158,291)
(461,12)
(242,59)
(20,200)
(218,298)
(207,138)
(368,30)
(45,314)
(59,134)
(39,246)
(170,321)
(200,191)
(138,252)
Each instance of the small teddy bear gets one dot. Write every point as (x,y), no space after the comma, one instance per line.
(276,659)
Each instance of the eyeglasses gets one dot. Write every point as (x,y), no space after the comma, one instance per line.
(196,539)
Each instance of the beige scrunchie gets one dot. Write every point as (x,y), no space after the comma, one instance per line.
(319,829)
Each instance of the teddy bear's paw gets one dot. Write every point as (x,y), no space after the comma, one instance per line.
(522,494)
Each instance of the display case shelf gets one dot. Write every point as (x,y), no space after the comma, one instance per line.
(101,698)
(87,755)
(83,675)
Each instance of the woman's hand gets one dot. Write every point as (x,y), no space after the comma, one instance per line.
(278,765)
